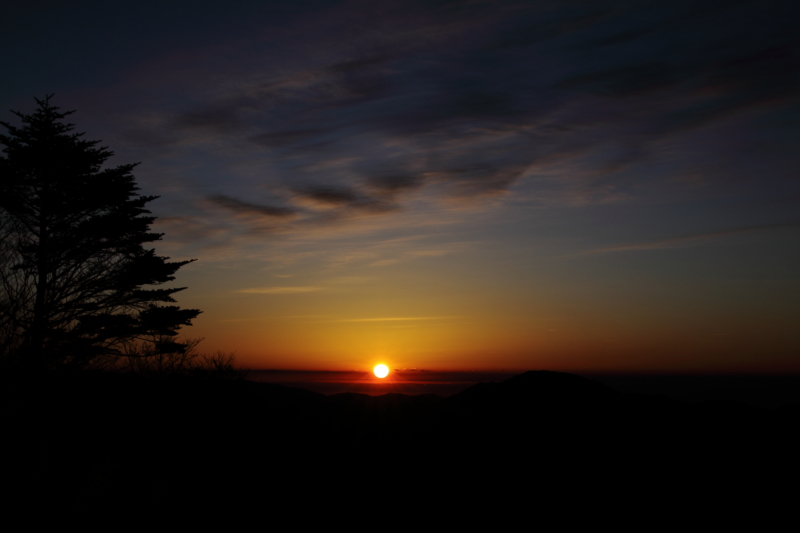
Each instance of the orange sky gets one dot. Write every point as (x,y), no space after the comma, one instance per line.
(625,311)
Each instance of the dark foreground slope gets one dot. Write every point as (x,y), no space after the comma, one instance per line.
(98,439)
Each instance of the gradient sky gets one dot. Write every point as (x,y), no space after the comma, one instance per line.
(571,185)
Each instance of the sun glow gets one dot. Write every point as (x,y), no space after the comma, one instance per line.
(381,371)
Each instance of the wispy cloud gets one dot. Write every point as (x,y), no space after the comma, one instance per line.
(579,104)
(248,208)
(384,262)
(280,290)
(398,319)
(687,240)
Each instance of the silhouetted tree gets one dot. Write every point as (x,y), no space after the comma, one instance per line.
(72,266)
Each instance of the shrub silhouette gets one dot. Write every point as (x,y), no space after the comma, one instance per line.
(146,360)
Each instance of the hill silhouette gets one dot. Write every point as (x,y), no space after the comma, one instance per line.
(107,438)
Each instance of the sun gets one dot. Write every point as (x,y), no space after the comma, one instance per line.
(381,371)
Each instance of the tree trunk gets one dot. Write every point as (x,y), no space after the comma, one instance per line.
(39,322)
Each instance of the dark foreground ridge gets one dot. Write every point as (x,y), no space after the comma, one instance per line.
(104,439)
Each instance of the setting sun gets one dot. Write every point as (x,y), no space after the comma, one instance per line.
(381,371)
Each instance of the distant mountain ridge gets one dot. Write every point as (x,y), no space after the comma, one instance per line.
(103,437)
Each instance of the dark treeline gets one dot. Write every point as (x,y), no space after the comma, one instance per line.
(102,439)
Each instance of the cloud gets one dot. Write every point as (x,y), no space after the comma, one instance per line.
(569,104)
(239,206)
(330,195)
(397,319)
(429,253)
(280,290)
(393,184)
(342,197)
(678,242)
(384,262)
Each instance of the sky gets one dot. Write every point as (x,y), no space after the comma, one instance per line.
(468,185)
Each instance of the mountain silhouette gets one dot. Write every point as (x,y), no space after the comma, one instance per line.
(106,438)
(535,390)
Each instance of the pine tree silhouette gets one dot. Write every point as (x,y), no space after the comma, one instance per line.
(77,282)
